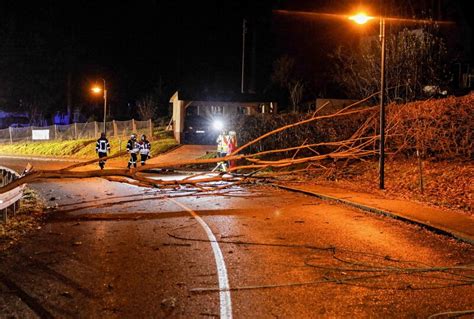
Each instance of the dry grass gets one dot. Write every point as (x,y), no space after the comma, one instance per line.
(447,184)
(28,218)
(82,149)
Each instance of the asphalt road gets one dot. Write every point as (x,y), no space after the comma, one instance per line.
(111,250)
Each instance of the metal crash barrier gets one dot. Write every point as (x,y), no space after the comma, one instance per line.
(9,201)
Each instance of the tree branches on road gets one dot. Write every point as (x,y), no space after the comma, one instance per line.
(249,167)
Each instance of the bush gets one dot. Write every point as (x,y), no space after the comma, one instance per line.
(325,130)
(441,129)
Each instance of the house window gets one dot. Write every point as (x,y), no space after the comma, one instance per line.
(217,109)
(243,110)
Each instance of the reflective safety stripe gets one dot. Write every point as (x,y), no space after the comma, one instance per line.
(133,158)
(133,146)
(145,147)
(102,146)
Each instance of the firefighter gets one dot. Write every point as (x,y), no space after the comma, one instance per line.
(145,148)
(231,146)
(222,149)
(132,148)
(102,147)
(220,144)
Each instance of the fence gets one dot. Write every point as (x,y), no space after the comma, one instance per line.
(75,131)
(9,201)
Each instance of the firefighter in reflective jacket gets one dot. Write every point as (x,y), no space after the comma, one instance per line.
(132,148)
(222,149)
(102,147)
(145,148)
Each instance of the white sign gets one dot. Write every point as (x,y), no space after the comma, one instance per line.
(40,134)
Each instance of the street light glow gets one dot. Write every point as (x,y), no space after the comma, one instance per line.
(218,125)
(96,89)
(360,18)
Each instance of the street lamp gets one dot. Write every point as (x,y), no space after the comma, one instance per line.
(97,90)
(362,18)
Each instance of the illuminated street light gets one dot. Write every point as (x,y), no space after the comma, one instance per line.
(362,18)
(98,89)
(218,125)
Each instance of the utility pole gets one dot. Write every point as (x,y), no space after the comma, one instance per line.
(244,31)
(105,108)
(382,106)
(69,96)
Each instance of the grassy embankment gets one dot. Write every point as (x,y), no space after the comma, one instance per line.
(29,217)
(83,149)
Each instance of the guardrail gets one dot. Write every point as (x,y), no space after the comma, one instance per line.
(9,201)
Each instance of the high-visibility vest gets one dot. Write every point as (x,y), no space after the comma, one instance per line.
(220,143)
(225,147)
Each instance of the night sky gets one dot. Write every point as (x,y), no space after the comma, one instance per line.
(136,45)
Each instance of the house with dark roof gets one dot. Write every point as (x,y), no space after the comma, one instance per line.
(14,119)
(197,117)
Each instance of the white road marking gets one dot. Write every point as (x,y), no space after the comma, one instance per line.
(224,287)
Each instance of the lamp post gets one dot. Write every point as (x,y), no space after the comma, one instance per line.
(97,89)
(362,18)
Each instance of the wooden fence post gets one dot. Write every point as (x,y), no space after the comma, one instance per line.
(115,128)
(75,131)
(55,132)
(134,126)
(96,129)
(10,131)
(150,129)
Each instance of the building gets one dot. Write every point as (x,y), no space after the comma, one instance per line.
(15,119)
(195,116)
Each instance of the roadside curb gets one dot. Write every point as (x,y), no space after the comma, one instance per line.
(379,211)
(40,158)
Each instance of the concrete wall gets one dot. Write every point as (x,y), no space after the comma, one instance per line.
(179,113)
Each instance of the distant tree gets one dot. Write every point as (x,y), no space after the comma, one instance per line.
(296,89)
(35,112)
(153,104)
(283,70)
(414,59)
(284,76)
(146,107)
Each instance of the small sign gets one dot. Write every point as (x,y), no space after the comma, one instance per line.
(40,134)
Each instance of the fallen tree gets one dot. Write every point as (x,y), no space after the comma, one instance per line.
(414,126)
(250,165)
